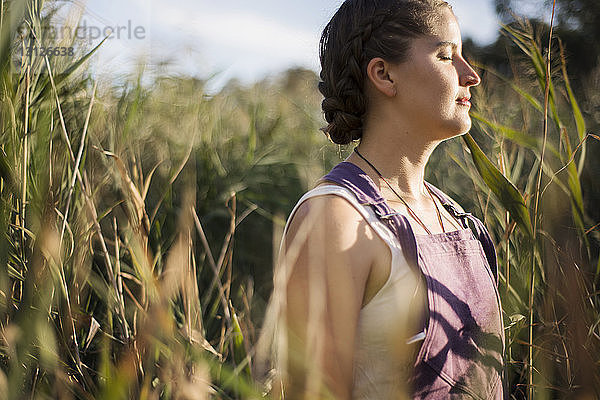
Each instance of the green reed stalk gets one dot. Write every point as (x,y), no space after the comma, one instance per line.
(537,204)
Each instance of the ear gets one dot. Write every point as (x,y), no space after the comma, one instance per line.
(378,74)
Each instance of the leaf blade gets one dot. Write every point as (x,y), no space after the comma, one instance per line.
(508,195)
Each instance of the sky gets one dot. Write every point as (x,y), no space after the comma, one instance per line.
(247,40)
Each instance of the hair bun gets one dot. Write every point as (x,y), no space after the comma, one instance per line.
(344,127)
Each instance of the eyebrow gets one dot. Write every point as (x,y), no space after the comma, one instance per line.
(447,43)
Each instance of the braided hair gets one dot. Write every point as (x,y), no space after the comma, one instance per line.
(359,31)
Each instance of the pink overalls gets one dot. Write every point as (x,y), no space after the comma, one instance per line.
(462,354)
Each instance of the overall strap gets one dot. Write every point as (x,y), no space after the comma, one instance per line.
(353,178)
(479,229)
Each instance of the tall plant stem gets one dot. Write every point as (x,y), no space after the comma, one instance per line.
(537,204)
(25,160)
(507,223)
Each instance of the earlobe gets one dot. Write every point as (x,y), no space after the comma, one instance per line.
(378,74)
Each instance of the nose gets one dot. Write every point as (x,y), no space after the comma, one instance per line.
(468,77)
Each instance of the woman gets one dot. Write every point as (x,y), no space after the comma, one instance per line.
(390,287)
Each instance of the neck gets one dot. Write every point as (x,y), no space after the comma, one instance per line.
(401,160)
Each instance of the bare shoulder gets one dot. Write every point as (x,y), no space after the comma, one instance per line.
(334,216)
(330,234)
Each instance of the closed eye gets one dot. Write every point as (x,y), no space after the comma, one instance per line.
(446,50)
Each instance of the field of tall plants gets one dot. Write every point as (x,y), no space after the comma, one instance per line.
(139,221)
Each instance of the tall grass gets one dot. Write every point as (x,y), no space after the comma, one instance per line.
(124,211)
(138,222)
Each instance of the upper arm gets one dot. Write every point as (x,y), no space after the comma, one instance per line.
(328,257)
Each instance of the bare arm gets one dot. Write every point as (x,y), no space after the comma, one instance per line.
(329,250)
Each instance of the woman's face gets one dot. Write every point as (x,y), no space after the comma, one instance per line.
(433,83)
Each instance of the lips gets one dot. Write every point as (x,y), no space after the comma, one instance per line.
(464,101)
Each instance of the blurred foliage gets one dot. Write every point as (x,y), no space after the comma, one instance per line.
(576,24)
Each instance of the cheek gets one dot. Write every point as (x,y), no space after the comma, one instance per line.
(449,85)
(441,84)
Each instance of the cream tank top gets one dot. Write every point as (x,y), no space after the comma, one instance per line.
(382,366)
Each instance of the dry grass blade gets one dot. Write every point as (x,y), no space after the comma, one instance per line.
(215,268)
(78,159)
(136,198)
(92,330)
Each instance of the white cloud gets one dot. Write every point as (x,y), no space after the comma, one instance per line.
(478,21)
(246,31)
(248,44)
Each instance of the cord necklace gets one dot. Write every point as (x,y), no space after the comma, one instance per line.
(410,210)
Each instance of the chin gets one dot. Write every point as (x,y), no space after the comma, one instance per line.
(457,129)
(466,129)
(463,126)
